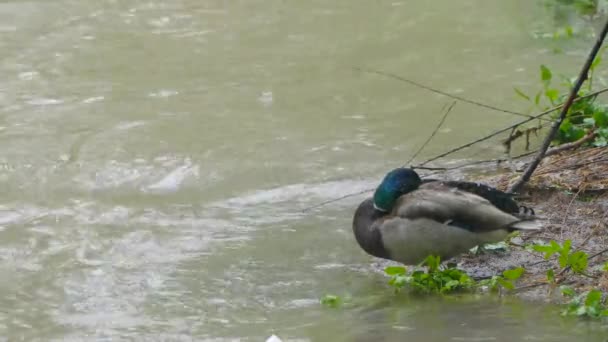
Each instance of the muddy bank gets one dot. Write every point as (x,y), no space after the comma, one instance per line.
(570,191)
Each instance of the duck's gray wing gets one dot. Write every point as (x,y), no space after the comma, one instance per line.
(502,200)
(456,207)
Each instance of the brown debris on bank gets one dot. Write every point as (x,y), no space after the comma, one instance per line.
(570,191)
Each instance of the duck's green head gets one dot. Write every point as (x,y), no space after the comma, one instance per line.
(396,183)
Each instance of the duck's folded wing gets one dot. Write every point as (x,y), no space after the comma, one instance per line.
(455,207)
(502,200)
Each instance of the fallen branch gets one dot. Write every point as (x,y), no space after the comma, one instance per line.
(571,145)
(573,93)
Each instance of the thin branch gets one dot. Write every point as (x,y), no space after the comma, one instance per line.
(437,91)
(500,131)
(421,166)
(445,115)
(575,166)
(563,147)
(430,168)
(336,199)
(598,253)
(530,286)
(573,93)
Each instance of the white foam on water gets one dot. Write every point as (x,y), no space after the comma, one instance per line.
(274,338)
(172,181)
(301,192)
(44,102)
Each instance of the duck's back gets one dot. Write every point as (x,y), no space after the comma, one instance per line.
(498,198)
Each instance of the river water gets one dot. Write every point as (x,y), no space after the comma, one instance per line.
(156,157)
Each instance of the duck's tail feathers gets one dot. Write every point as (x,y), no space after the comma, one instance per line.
(526,225)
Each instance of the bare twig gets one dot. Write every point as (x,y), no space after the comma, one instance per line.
(563,147)
(431,168)
(445,115)
(500,131)
(570,205)
(437,91)
(575,166)
(529,286)
(598,253)
(336,199)
(573,93)
(421,166)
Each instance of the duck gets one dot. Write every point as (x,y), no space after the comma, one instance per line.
(408,219)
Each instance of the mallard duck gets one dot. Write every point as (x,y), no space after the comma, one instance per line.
(408,219)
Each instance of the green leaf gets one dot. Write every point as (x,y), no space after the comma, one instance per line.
(569,31)
(552,95)
(565,126)
(331,301)
(521,93)
(548,250)
(578,261)
(506,284)
(567,291)
(395,270)
(566,245)
(600,142)
(604,313)
(563,260)
(451,284)
(514,274)
(601,118)
(605,268)
(581,311)
(537,97)
(550,275)
(594,298)
(399,281)
(545,74)
(596,62)
(432,262)
(499,246)
(589,122)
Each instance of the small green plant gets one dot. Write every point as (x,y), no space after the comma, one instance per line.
(434,280)
(587,304)
(583,117)
(567,13)
(331,301)
(506,280)
(583,8)
(551,276)
(576,260)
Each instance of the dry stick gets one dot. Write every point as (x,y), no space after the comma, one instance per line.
(598,253)
(445,115)
(577,86)
(548,111)
(437,91)
(571,145)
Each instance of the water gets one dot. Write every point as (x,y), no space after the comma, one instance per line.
(156,156)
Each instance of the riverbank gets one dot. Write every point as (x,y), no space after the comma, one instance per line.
(570,191)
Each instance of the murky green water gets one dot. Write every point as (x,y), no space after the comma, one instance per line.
(156,156)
